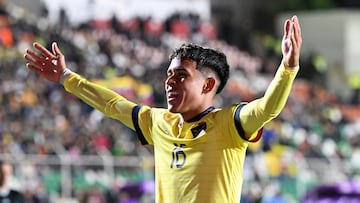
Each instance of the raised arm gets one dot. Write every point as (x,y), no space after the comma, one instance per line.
(257,113)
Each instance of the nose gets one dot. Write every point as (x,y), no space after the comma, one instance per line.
(170,80)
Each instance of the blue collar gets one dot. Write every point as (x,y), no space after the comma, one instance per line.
(202,114)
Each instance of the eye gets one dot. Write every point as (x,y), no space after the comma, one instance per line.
(177,75)
(181,75)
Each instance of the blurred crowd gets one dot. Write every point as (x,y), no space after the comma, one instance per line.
(38,117)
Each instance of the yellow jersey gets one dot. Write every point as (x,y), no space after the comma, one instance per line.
(196,161)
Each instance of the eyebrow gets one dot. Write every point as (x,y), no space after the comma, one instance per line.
(178,69)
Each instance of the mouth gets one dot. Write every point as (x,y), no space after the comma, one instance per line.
(171,96)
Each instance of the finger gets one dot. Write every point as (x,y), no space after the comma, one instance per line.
(287,26)
(43,50)
(34,55)
(34,68)
(297,29)
(295,19)
(294,51)
(34,61)
(56,49)
(29,58)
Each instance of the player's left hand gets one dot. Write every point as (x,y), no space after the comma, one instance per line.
(291,42)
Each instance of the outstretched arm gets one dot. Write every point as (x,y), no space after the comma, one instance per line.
(257,113)
(51,65)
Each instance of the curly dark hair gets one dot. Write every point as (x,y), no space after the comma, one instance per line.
(205,58)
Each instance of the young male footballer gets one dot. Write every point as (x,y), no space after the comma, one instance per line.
(199,149)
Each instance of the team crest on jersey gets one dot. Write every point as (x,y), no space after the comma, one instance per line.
(199,130)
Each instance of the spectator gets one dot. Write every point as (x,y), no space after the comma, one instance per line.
(7,194)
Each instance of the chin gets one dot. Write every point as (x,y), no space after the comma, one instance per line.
(172,109)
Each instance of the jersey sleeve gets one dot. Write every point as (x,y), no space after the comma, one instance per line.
(105,100)
(142,123)
(254,115)
(250,137)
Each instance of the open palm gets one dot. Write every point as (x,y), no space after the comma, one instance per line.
(49,64)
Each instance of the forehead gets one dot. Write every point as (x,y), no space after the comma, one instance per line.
(182,64)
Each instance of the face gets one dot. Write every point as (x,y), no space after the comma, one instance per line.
(184,88)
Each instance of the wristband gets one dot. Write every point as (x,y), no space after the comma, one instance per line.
(64,75)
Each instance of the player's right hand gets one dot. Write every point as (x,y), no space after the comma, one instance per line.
(49,64)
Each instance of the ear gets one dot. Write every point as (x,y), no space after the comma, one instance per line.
(209,85)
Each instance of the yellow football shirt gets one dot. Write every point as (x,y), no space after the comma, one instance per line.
(198,161)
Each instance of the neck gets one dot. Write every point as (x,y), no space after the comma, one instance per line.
(204,105)
(199,115)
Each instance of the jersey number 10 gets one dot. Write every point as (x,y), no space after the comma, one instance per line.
(178,156)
